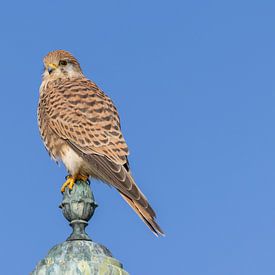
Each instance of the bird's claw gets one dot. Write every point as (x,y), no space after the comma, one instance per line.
(70,181)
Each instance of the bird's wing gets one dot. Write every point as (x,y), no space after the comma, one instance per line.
(82,115)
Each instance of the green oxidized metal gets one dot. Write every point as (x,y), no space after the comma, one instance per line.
(79,254)
(78,207)
(79,257)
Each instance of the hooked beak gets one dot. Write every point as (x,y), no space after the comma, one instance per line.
(51,67)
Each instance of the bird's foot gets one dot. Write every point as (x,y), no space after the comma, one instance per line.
(71,181)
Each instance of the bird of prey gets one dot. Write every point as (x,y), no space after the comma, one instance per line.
(80,126)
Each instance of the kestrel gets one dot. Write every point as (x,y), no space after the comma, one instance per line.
(80,126)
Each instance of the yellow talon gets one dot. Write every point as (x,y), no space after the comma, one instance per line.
(71,184)
(71,181)
(68,183)
(83,178)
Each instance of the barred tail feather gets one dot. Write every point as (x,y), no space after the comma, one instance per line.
(144,215)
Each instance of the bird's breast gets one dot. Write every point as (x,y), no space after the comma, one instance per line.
(73,162)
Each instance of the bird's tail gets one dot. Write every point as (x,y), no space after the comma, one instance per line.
(117,176)
(147,218)
(120,178)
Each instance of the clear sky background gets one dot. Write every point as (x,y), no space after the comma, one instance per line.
(194,84)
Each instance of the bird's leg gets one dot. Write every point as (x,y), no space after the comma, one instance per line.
(76,178)
(71,181)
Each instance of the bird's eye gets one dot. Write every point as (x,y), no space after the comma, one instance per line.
(63,62)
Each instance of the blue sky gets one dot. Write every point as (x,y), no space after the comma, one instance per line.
(194,85)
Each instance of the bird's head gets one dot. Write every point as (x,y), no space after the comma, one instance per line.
(60,64)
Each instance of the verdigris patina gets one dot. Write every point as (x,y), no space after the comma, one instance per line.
(78,207)
(79,257)
(79,254)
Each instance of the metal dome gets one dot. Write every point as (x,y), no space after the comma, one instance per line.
(79,257)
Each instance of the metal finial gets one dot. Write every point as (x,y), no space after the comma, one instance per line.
(79,254)
(78,206)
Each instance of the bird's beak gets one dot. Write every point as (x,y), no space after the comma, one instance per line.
(51,67)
